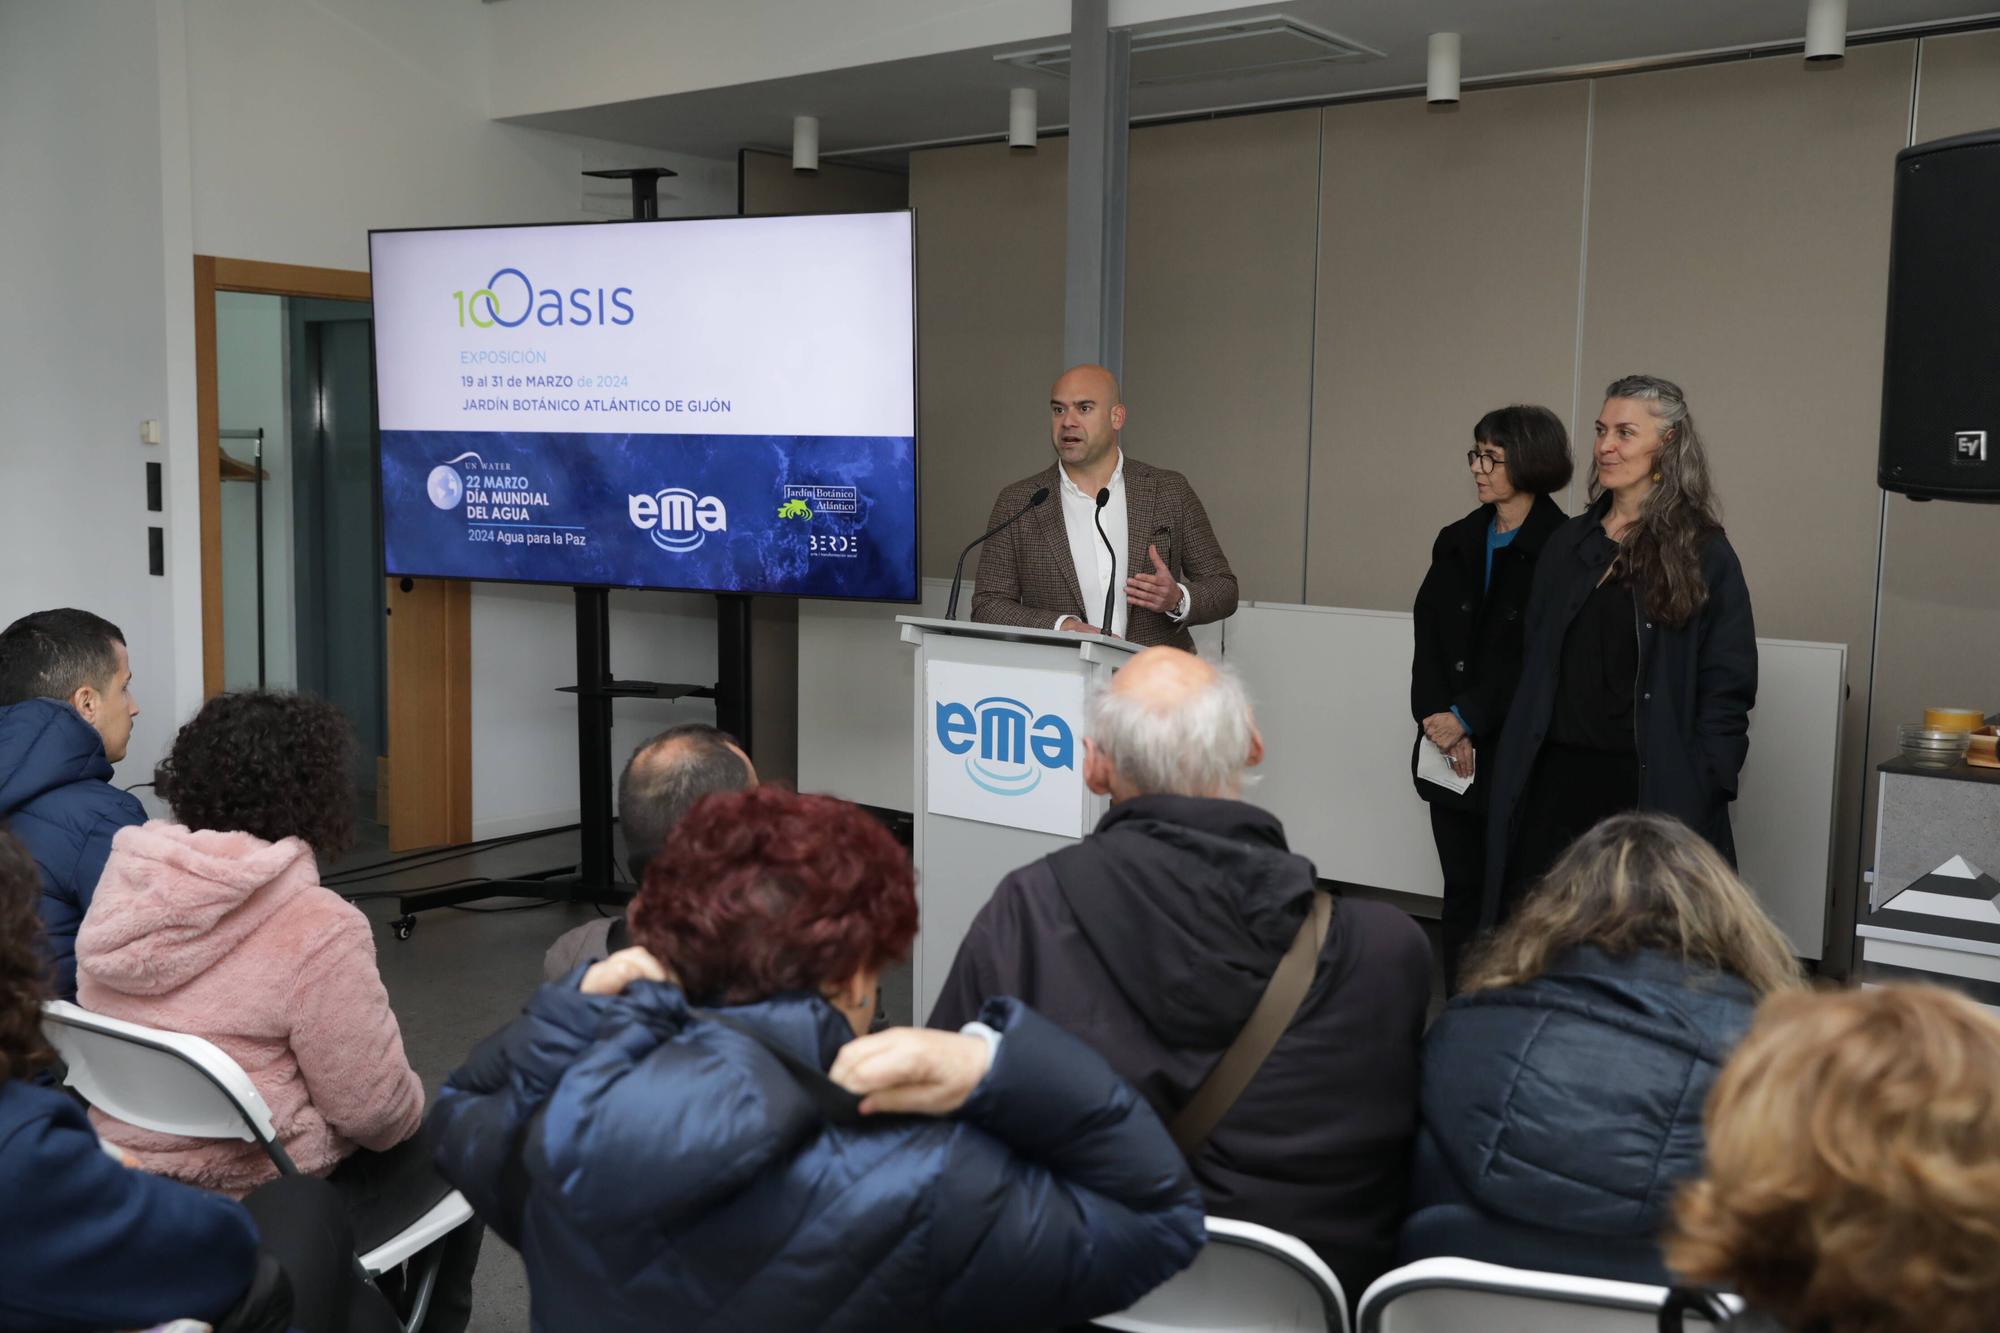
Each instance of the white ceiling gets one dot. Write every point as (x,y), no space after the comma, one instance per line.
(962,95)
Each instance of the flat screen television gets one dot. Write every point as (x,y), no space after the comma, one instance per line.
(715,404)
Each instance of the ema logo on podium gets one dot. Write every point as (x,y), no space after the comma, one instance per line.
(1007,733)
(1002,746)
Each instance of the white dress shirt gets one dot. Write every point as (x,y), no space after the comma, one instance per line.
(1087,551)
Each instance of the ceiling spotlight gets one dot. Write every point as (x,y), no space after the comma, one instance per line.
(1441,85)
(805,145)
(1021,120)
(1826,29)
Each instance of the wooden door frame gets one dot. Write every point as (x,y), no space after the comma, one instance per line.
(430,620)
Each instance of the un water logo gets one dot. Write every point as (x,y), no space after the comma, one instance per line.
(444,486)
(1006,747)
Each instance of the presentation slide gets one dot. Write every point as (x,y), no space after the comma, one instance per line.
(722,405)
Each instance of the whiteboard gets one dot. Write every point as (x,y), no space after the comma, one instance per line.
(1332,690)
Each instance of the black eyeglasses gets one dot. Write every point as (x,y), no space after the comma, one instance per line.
(1482,462)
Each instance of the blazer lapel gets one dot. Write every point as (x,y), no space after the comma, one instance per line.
(1141,497)
(1048,517)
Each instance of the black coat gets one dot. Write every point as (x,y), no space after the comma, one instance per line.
(1696,685)
(1469,633)
(1153,939)
(1560,1116)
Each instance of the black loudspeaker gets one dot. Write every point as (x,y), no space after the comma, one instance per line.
(1941,364)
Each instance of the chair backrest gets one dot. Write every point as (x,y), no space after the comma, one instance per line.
(168,1082)
(1247,1279)
(1464,1296)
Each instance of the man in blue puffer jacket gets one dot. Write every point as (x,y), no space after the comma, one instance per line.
(66,711)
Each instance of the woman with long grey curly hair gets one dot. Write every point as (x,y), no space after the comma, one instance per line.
(1640,666)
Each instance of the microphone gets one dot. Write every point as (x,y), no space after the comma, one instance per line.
(1110,588)
(958,574)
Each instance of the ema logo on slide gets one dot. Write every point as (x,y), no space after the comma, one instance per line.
(677,519)
(1014,746)
(509,291)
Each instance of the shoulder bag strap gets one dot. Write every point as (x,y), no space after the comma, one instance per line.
(1283,995)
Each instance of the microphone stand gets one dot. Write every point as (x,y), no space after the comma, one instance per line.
(958,574)
(1111,587)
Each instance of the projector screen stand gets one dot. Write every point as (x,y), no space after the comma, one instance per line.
(594,876)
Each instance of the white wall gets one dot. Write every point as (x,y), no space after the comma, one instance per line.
(82,347)
(313,122)
(133,137)
(252,383)
(524,733)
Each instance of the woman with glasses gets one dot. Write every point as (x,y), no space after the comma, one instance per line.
(1640,666)
(1469,618)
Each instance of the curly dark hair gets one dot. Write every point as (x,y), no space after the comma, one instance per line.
(265,763)
(24,973)
(765,891)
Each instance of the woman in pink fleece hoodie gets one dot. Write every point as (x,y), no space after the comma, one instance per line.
(218,926)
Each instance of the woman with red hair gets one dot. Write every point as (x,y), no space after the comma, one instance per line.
(694,1130)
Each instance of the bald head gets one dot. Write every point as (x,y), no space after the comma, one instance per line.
(1085,416)
(666,776)
(1171,724)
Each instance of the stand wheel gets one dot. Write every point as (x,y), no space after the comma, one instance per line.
(403,925)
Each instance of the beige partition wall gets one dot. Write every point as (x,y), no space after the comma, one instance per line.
(989,329)
(1219,253)
(1739,239)
(1940,619)
(1449,248)
(766,183)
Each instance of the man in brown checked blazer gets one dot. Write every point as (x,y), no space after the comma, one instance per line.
(1051,570)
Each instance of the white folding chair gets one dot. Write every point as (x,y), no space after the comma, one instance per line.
(1465,1296)
(174,1083)
(1247,1279)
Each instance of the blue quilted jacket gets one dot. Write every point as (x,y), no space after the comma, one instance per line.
(661,1171)
(56,797)
(1559,1117)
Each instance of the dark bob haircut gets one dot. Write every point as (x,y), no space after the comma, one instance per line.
(265,763)
(765,891)
(52,654)
(1537,446)
(23,969)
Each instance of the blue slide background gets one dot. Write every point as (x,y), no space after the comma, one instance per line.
(587,479)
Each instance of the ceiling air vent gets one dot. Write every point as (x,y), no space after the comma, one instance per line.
(1214,51)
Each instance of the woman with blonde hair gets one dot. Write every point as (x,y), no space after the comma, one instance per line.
(1852,1181)
(1562,1089)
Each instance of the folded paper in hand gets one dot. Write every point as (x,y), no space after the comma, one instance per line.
(1433,765)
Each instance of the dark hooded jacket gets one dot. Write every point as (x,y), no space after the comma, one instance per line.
(56,797)
(1695,687)
(1561,1115)
(1154,938)
(658,1169)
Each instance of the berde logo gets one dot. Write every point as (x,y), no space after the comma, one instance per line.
(508,300)
(1014,747)
(676,518)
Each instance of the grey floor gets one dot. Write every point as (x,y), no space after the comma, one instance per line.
(464,973)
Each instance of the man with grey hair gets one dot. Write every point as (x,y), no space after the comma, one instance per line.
(1155,938)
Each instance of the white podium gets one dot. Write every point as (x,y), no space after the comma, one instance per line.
(998,767)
